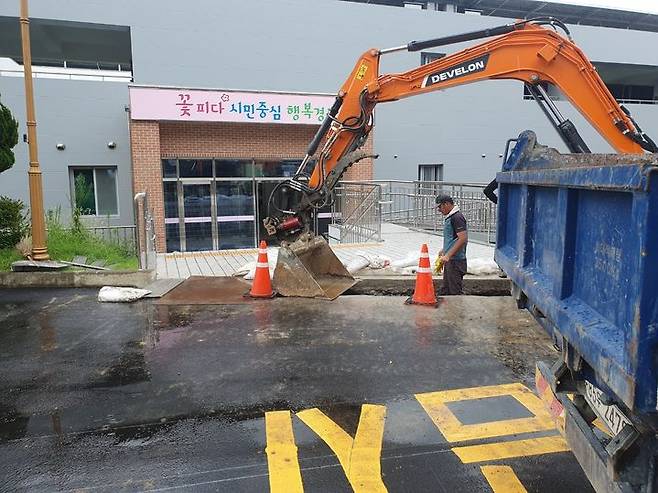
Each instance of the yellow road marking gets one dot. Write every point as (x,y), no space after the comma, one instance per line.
(359,457)
(365,468)
(434,404)
(282,462)
(506,450)
(333,435)
(502,479)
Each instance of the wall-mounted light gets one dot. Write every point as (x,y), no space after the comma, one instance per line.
(111,144)
(60,146)
(395,156)
(484,155)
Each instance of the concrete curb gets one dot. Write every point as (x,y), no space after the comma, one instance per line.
(367,285)
(136,279)
(404,286)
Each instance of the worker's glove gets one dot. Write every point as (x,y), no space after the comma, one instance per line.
(438,265)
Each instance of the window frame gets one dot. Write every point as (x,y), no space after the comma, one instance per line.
(93,167)
(437,166)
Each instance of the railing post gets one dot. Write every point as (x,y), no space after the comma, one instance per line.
(144,232)
(139,237)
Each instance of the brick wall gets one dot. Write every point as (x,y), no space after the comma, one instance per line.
(363,170)
(235,140)
(153,141)
(147,171)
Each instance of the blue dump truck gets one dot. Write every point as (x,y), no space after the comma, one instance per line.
(578,238)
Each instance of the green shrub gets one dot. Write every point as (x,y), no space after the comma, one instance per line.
(8,138)
(12,222)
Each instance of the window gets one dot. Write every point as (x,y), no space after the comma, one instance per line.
(633,93)
(94,190)
(280,168)
(428,57)
(430,172)
(628,83)
(195,168)
(233,168)
(61,49)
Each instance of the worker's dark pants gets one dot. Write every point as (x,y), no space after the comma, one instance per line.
(453,273)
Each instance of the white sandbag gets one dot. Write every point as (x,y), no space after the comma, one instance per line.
(378,261)
(408,261)
(115,294)
(250,267)
(248,270)
(406,271)
(482,266)
(357,263)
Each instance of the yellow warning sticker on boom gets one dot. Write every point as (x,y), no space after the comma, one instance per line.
(360,74)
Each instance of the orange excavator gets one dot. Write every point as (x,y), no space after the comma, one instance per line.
(531,51)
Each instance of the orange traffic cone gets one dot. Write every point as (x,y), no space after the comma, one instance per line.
(424,290)
(262,286)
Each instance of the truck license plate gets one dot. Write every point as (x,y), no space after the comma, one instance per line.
(610,415)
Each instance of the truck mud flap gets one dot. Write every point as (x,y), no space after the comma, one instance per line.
(591,453)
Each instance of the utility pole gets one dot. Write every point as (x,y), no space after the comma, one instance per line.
(39,248)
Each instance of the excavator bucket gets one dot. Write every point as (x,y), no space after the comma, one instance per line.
(308,268)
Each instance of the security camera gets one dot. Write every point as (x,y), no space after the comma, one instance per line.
(60,146)
(111,144)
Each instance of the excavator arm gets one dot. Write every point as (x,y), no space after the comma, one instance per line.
(532,52)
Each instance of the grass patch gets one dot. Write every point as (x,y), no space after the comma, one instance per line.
(64,244)
(7,257)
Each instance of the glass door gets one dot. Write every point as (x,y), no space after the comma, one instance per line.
(235,213)
(197,204)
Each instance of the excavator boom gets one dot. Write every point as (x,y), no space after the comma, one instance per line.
(530,51)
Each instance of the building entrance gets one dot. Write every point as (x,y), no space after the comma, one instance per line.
(220,204)
(198,211)
(235,213)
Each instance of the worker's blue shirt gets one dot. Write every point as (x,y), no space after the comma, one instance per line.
(453,224)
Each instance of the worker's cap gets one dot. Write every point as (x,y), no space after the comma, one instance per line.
(443,199)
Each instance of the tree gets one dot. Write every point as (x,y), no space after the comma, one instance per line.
(8,138)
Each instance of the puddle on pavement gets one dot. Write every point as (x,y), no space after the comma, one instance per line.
(131,367)
(172,332)
(13,425)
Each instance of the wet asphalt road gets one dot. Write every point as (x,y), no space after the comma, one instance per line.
(133,397)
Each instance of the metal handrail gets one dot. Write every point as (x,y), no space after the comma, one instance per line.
(411,203)
(447,183)
(360,212)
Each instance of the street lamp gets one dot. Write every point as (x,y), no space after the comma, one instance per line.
(39,248)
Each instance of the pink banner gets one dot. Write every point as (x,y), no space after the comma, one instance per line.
(150,103)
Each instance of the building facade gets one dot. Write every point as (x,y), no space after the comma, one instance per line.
(95,153)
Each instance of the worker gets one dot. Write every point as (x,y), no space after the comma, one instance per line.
(455,238)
